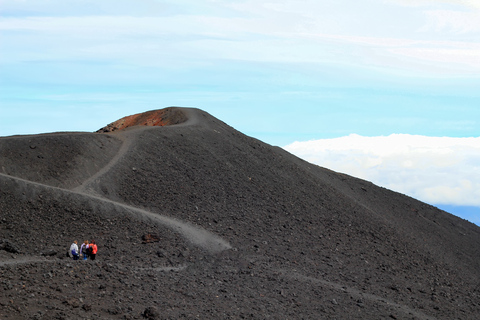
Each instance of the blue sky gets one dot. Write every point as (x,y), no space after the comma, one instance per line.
(280,71)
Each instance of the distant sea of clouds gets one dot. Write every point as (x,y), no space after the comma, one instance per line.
(441,171)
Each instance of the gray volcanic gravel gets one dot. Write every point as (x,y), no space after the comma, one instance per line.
(198,221)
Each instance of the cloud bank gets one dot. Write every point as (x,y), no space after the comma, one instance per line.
(283,31)
(436,170)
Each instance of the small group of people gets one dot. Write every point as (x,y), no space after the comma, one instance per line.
(87,250)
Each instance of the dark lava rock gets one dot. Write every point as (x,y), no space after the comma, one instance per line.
(9,246)
(151,313)
(49,252)
(73,302)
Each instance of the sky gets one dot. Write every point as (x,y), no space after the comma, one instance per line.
(385,90)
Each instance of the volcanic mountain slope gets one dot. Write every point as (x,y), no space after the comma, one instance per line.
(195,220)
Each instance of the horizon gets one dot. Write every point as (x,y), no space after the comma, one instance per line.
(285,72)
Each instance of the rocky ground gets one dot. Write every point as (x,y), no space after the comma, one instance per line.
(195,220)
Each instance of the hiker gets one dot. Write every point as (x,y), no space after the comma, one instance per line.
(74,250)
(83,249)
(92,250)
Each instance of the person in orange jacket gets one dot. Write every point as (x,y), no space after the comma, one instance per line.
(93,249)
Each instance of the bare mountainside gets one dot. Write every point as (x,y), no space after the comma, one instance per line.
(195,220)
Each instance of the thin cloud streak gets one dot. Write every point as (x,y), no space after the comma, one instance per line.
(278,31)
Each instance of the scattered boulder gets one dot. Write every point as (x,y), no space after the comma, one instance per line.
(149,238)
(162,253)
(8,246)
(73,302)
(49,253)
(151,313)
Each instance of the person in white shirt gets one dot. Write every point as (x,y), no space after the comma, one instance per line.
(74,250)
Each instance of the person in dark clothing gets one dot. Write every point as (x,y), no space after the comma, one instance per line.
(83,249)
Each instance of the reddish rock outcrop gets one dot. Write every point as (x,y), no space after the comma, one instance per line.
(163,117)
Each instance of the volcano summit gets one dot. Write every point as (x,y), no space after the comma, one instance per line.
(195,220)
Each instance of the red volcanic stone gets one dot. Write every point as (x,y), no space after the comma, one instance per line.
(148,238)
(159,118)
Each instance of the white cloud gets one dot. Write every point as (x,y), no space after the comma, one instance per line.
(447,16)
(448,58)
(437,170)
(457,22)
(462,3)
(290,31)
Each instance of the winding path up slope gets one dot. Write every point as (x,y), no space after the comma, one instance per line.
(194,234)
